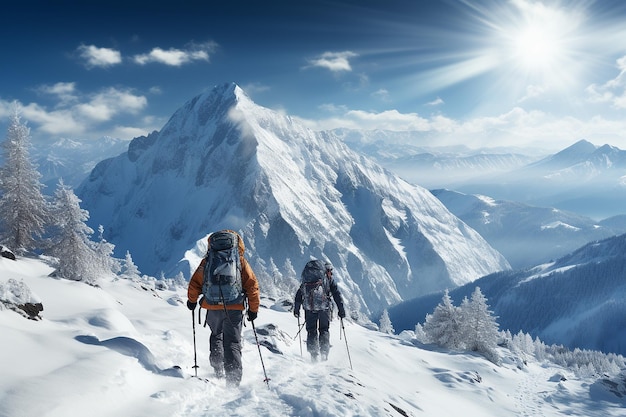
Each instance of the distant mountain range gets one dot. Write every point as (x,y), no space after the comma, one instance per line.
(222,161)
(527,235)
(578,300)
(583,178)
(434,166)
(72,159)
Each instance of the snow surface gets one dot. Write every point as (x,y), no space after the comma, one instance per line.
(112,351)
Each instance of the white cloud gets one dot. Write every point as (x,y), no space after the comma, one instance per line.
(65,92)
(382,94)
(53,122)
(333,108)
(533,91)
(60,89)
(177,57)
(517,127)
(334,61)
(99,57)
(359,119)
(106,104)
(84,115)
(436,102)
(255,88)
(613,91)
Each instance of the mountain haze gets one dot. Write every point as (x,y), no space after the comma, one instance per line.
(222,161)
(417,158)
(72,159)
(527,235)
(583,178)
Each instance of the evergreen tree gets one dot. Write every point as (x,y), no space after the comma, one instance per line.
(77,258)
(352,305)
(104,251)
(385,325)
(443,326)
(130,270)
(480,329)
(420,335)
(23,206)
(180,281)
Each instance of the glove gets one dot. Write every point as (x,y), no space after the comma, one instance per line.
(342,313)
(191,306)
(296,313)
(252,315)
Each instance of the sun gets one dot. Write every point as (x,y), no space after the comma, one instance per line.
(537,48)
(540,42)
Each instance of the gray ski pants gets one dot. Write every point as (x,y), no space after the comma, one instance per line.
(225,343)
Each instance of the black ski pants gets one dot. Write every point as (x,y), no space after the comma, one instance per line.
(225,343)
(318,338)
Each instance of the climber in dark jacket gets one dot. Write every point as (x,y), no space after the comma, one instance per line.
(314,296)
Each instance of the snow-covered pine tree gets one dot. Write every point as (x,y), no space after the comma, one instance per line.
(129,269)
(420,335)
(352,305)
(385,325)
(23,206)
(77,258)
(480,329)
(104,252)
(444,326)
(180,281)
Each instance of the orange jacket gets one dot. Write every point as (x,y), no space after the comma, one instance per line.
(248,281)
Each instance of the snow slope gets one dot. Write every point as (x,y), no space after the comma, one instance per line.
(111,351)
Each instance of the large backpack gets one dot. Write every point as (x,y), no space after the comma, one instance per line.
(222,270)
(315,286)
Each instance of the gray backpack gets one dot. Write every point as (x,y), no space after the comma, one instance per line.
(222,271)
(315,286)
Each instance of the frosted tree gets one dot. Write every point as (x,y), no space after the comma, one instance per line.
(23,206)
(129,269)
(180,281)
(480,329)
(443,326)
(420,335)
(77,258)
(352,305)
(385,325)
(104,252)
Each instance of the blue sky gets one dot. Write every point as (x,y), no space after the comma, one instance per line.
(481,73)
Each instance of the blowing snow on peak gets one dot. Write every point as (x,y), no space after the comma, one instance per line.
(222,161)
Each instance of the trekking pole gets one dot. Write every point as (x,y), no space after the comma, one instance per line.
(300,335)
(266,380)
(299,330)
(195,357)
(346,339)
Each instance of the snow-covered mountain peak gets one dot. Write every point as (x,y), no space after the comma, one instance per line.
(222,161)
